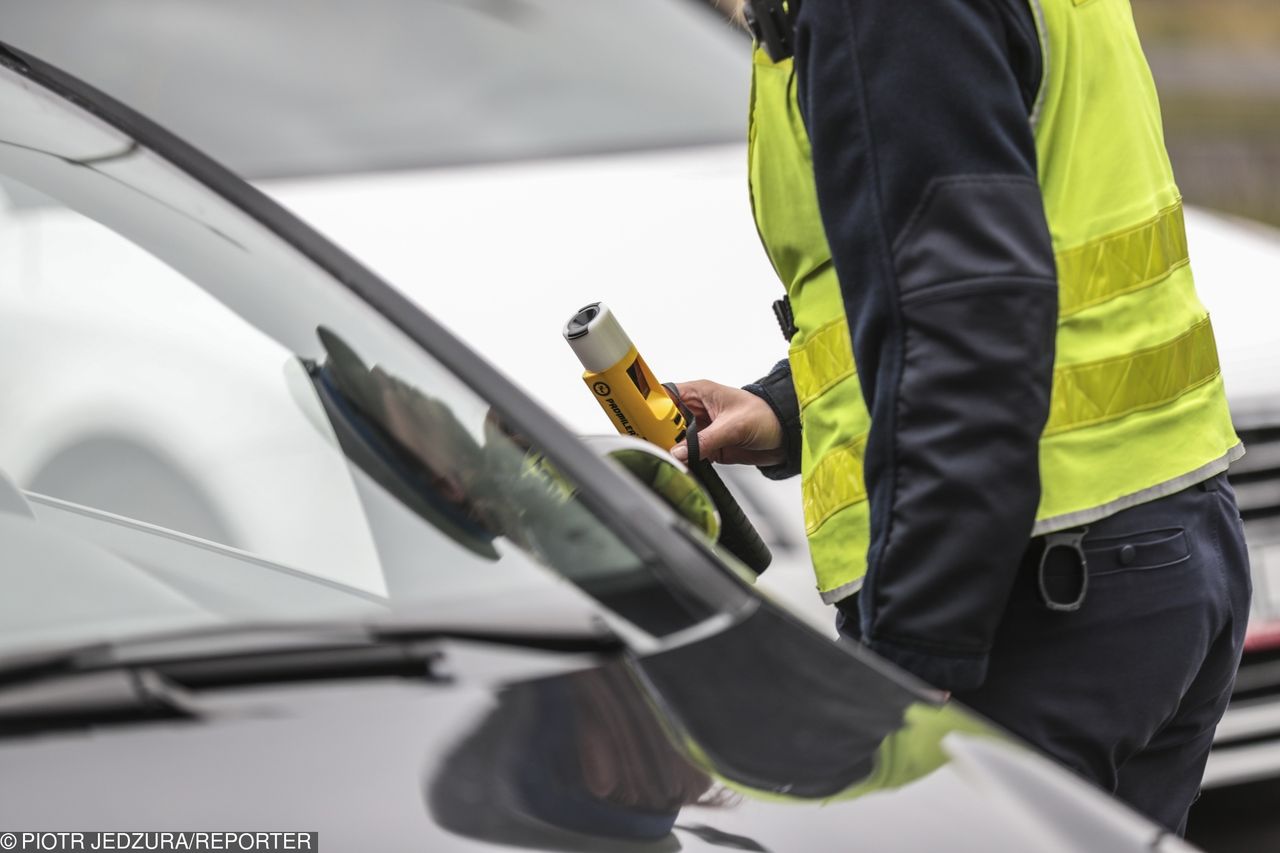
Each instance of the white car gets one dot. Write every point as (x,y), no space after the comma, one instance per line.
(472,153)
(1237,265)
(559,661)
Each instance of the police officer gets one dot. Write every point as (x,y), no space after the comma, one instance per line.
(1002,393)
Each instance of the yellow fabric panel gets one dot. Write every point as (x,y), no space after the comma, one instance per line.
(1100,151)
(1117,458)
(1131,322)
(785,205)
(1122,262)
(1097,391)
(1083,394)
(837,520)
(839,549)
(834,483)
(783,193)
(823,359)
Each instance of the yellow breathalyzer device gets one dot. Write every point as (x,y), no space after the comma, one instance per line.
(621,382)
(638,404)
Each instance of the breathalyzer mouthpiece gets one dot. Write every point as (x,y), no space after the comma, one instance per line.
(596,337)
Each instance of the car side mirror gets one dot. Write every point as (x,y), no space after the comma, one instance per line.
(664,477)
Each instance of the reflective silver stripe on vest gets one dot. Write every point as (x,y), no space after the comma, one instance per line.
(842,592)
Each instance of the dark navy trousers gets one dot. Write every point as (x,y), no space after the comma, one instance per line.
(1127,690)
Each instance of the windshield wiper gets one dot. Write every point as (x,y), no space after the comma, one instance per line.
(98,697)
(157,678)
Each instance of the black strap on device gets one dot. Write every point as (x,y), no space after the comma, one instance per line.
(737,534)
(772,23)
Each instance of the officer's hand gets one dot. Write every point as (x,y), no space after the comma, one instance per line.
(735,427)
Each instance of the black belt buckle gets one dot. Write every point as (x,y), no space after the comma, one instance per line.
(1063,592)
(771,24)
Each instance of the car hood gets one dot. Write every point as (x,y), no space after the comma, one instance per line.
(699,747)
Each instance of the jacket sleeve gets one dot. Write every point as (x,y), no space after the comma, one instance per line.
(924,156)
(776,390)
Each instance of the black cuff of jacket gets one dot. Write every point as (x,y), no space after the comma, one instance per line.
(777,390)
(950,671)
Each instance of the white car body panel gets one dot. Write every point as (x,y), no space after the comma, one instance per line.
(1237,268)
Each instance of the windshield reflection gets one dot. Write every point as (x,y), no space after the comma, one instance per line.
(580,755)
(410,443)
(622,751)
(415,447)
(476,492)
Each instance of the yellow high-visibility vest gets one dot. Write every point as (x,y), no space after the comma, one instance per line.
(1137,408)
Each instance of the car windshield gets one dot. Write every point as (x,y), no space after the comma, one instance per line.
(204,425)
(342,86)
